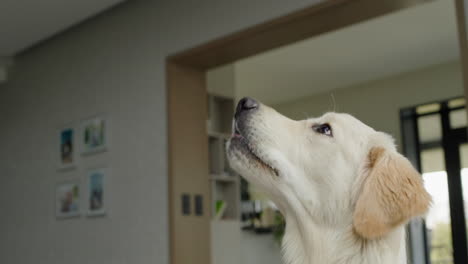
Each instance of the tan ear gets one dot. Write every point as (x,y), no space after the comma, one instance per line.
(392,193)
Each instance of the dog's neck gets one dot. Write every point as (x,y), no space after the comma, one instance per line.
(305,242)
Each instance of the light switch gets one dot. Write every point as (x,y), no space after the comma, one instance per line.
(185,204)
(199,205)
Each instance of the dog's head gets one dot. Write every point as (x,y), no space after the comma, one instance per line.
(335,168)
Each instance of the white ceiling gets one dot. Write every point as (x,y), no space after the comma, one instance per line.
(24,23)
(399,42)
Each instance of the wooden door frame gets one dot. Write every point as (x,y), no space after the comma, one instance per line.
(187,104)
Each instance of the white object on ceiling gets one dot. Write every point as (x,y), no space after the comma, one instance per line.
(399,42)
(24,23)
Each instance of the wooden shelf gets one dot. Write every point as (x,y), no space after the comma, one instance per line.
(224,178)
(214,134)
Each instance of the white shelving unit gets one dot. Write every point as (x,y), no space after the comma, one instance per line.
(224,182)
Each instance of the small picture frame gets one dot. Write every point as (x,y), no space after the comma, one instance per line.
(94,133)
(66,148)
(96,198)
(67,199)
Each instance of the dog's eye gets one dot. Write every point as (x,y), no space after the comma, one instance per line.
(323,129)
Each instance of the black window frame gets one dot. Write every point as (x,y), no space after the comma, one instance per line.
(450,143)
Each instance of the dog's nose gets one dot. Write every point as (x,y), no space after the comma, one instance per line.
(245,104)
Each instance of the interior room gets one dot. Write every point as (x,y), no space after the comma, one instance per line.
(116,115)
(355,70)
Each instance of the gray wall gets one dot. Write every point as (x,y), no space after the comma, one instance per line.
(113,64)
(260,249)
(378,103)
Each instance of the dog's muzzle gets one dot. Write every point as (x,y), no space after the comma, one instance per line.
(245,106)
(244,109)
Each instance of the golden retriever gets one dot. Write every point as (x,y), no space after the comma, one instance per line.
(344,190)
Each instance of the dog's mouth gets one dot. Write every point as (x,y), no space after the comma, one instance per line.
(239,141)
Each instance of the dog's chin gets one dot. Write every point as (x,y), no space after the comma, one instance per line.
(245,161)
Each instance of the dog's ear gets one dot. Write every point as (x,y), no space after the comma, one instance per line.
(392,192)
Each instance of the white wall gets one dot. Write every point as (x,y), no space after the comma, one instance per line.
(113,64)
(378,103)
(259,249)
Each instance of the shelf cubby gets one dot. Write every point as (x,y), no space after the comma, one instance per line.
(224,181)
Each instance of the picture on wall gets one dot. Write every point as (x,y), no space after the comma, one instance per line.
(67,202)
(67,148)
(97,192)
(94,135)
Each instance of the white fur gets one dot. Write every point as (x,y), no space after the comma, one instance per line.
(317,185)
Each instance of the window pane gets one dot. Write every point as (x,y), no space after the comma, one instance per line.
(429,128)
(464,178)
(458,118)
(439,232)
(429,108)
(432,160)
(464,155)
(456,102)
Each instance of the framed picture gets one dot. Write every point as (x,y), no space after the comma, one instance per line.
(97,192)
(67,199)
(94,135)
(67,147)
